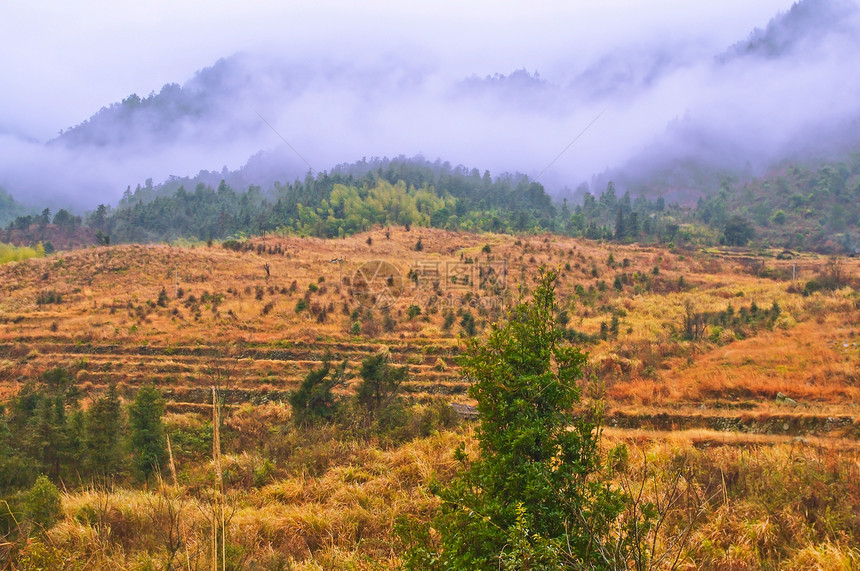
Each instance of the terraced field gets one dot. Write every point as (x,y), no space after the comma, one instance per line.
(738,371)
(253,319)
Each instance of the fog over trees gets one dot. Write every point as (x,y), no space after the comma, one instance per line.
(675,114)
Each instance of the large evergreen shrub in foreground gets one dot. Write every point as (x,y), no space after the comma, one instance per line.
(532,500)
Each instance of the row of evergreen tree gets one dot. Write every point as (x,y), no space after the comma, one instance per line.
(800,207)
(45,430)
(413,193)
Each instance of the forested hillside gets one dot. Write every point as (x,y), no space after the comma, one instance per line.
(350,199)
(813,206)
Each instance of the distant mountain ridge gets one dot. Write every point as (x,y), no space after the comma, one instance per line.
(808,21)
(173,111)
(692,156)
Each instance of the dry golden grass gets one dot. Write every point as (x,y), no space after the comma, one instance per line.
(331,503)
(808,362)
(341,519)
(756,503)
(108,326)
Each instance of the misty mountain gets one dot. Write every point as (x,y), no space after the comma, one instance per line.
(782,109)
(519,89)
(135,120)
(628,71)
(805,25)
(677,117)
(199,109)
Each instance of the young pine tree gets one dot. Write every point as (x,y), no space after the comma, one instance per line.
(146,431)
(531,501)
(43,504)
(44,424)
(103,435)
(314,399)
(380,381)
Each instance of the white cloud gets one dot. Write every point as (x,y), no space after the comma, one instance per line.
(64,60)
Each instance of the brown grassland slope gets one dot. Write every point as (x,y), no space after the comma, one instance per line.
(741,367)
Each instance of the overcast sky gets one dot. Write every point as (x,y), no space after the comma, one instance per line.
(62,61)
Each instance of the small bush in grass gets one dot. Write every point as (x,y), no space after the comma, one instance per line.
(48,297)
(315,400)
(715,333)
(42,505)
(37,555)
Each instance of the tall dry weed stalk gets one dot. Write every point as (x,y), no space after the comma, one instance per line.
(218,520)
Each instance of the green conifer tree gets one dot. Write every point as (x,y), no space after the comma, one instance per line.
(531,501)
(146,430)
(103,435)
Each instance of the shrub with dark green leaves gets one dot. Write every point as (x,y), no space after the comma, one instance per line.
(315,400)
(42,504)
(146,431)
(532,500)
(380,382)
